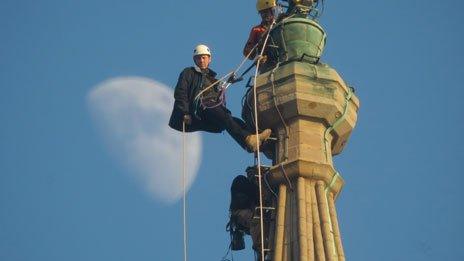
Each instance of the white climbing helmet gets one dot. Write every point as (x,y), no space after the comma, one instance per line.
(201,49)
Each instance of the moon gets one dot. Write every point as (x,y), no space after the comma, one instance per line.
(132,114)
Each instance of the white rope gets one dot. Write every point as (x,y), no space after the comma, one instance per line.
(212,85)
(261,221)
(183,191)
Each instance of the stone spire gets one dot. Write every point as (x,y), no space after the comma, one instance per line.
(313,111)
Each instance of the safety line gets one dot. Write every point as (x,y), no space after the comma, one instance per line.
(261,221)
(184,193)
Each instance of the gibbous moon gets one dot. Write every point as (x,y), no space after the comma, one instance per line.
(132,114)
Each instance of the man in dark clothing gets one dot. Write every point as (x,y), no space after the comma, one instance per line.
(244,214)
(198,104)
(244,199)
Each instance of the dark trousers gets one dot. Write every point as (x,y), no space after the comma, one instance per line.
(244,218)
(236,127)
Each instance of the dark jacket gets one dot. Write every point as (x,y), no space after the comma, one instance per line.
(189,84)
(244,194)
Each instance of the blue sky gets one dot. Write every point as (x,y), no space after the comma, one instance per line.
(64,197)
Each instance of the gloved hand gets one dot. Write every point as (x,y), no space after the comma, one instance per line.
(187,119)
(261,58)
(233,78)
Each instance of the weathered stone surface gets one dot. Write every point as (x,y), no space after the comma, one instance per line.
(311,99)
(307,90)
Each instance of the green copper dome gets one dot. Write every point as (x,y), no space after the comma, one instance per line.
(298,39)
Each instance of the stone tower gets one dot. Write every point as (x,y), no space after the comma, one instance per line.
(313,111)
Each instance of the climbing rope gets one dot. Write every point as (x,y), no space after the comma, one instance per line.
(258,157)
(184,193)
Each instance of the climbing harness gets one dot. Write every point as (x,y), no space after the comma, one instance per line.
(221,100)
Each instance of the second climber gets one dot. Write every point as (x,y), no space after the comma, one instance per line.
(255,40)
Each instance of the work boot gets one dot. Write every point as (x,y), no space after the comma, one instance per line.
(251,139)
